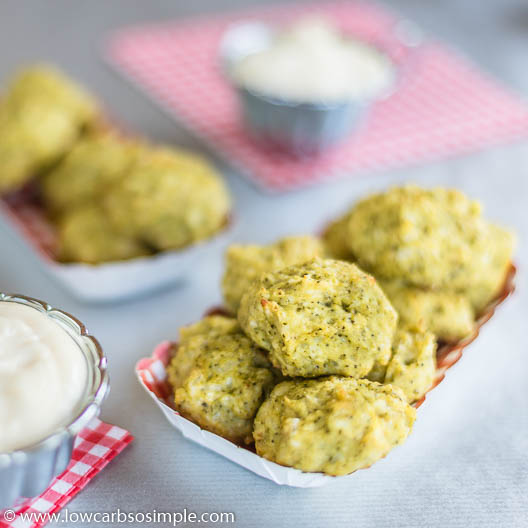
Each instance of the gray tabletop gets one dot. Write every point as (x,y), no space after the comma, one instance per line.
(465,463)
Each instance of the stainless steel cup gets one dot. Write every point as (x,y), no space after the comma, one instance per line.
(299,128)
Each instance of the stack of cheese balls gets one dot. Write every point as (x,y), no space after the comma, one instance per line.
(287,372)
(115,199)
(313,363)
(437,258)
(109,198)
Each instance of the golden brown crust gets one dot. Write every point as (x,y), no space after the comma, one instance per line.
(321,317)
(333,425)
(245,263)
(225,386)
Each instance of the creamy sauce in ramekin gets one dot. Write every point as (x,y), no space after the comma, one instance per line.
(313,62)
(43,376)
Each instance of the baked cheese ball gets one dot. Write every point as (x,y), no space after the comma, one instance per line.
(412,367)
(491,269)
(20,158)
(335,239)
(41,115)
(428,238)
(321,317)
(169,199)
(245,263)
(450,316)
(440,262)
(333,425)
(88,171)
(45,83)
(225,387)
(192,341)
(85,235)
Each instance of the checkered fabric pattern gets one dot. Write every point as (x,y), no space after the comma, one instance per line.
(442,106)
(94,447)
(31,223)
(152,372)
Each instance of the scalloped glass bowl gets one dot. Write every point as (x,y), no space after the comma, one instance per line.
(28,472)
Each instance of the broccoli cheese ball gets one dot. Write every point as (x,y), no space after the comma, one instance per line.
(19,156)
(439,261)
(45,83)
(41,115)
(85,235)
(450,316)
(320,317)
(491,269)
(332,425)
(428,238)
(412,367)
(335,239)
(192,341)
(227,383)
(169,199)
(245,263)
(88,171)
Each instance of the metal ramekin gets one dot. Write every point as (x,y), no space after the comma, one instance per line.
(300,129)
(28,472)
(297,128)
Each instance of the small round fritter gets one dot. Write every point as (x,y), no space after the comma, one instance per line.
(19,156)
(412,367)
(335,239)
(448,315)
(332,425)
(85,235)
(211,325)
(193,338)
(428,238)
(170,199)
(321,317)
(41,116)
(245,263)
(225,387)
(45,83)
(87,172)
(491,269)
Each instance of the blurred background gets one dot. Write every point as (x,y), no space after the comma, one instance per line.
(494,34)
(162,470)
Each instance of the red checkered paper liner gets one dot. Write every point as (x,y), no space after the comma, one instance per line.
(442,105)
(95,446)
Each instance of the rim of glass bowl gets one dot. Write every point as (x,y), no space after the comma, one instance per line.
(98,382)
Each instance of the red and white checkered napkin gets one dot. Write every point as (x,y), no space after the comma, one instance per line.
(443,105)
(95,446)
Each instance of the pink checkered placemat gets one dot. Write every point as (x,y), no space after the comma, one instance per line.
(443,106)
(95,446)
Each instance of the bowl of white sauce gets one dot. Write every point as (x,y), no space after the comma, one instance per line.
(305,87)
(53,380)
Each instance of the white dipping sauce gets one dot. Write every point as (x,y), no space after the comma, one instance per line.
(313,62)
(43,375)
